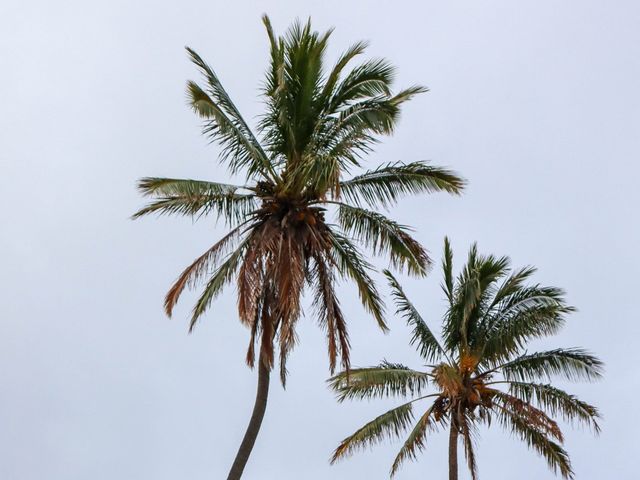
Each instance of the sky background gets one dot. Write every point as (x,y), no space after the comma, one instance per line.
(536,103)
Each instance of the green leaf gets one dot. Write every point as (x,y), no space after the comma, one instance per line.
(195,198)
(428,345)
(200,267)
(385,380)
(388,425)
(557,402)
(570,363)
(385,185)
(384,236)
(371,79)
(220,278)
(557,458)
(415,442)
(226,126)
(351,264)
(527,313)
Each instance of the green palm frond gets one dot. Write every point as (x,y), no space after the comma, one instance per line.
(371,79)
(512,285)
(407,94)
(225,125)
(557,402)
(165,187)
(385,185)
(474,288)
(196,198)
(200,267)
(388,425)
(570,363)
(385,380)
(218,280)
(528,313)
(275,91)
(447,271)
(315,174)
(356,49)
(293,89)
(375,115)
(415,441)
(352,265)
(557,458)
(384,236)
(428,345)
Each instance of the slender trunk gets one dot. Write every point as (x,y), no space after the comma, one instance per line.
(254,424)
(453,452)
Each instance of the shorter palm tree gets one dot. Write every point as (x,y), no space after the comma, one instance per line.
(491,316)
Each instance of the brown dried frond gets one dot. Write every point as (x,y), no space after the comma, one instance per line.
(532,415)
(449,380)
(194,272)
(329,313)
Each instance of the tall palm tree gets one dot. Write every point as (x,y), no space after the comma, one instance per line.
(479,369)
(316,129)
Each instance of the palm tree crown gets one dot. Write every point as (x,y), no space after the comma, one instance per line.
(316,129)
(492,313)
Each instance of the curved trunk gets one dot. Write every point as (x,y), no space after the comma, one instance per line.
(253,428)
(453,453)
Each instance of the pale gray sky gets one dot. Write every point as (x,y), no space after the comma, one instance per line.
(536,103)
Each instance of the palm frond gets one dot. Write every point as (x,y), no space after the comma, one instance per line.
(294,86)
(220,278)
(467,439)
(225,125)
(315,175)
(329,313)
(200,267)
(385,185)
(570,363)
(428,345)
(474,288)
(275,92)
(371,79)
(407,94)
(334,76)
(513,284)
(527,313)
(376,115)
(415,442)
(351,264)
(274,74)
(388,425)
(533,416)
(557,458)
(196,198)
(385,380)
(384,236)
(447,270)
(165,187)
(557,402)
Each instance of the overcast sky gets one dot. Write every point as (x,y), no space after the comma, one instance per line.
(536,103)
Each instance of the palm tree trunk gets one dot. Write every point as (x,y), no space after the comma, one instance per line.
(453,452)
(253,428)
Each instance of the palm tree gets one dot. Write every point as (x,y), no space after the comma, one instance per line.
(316,129)
(479,369)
